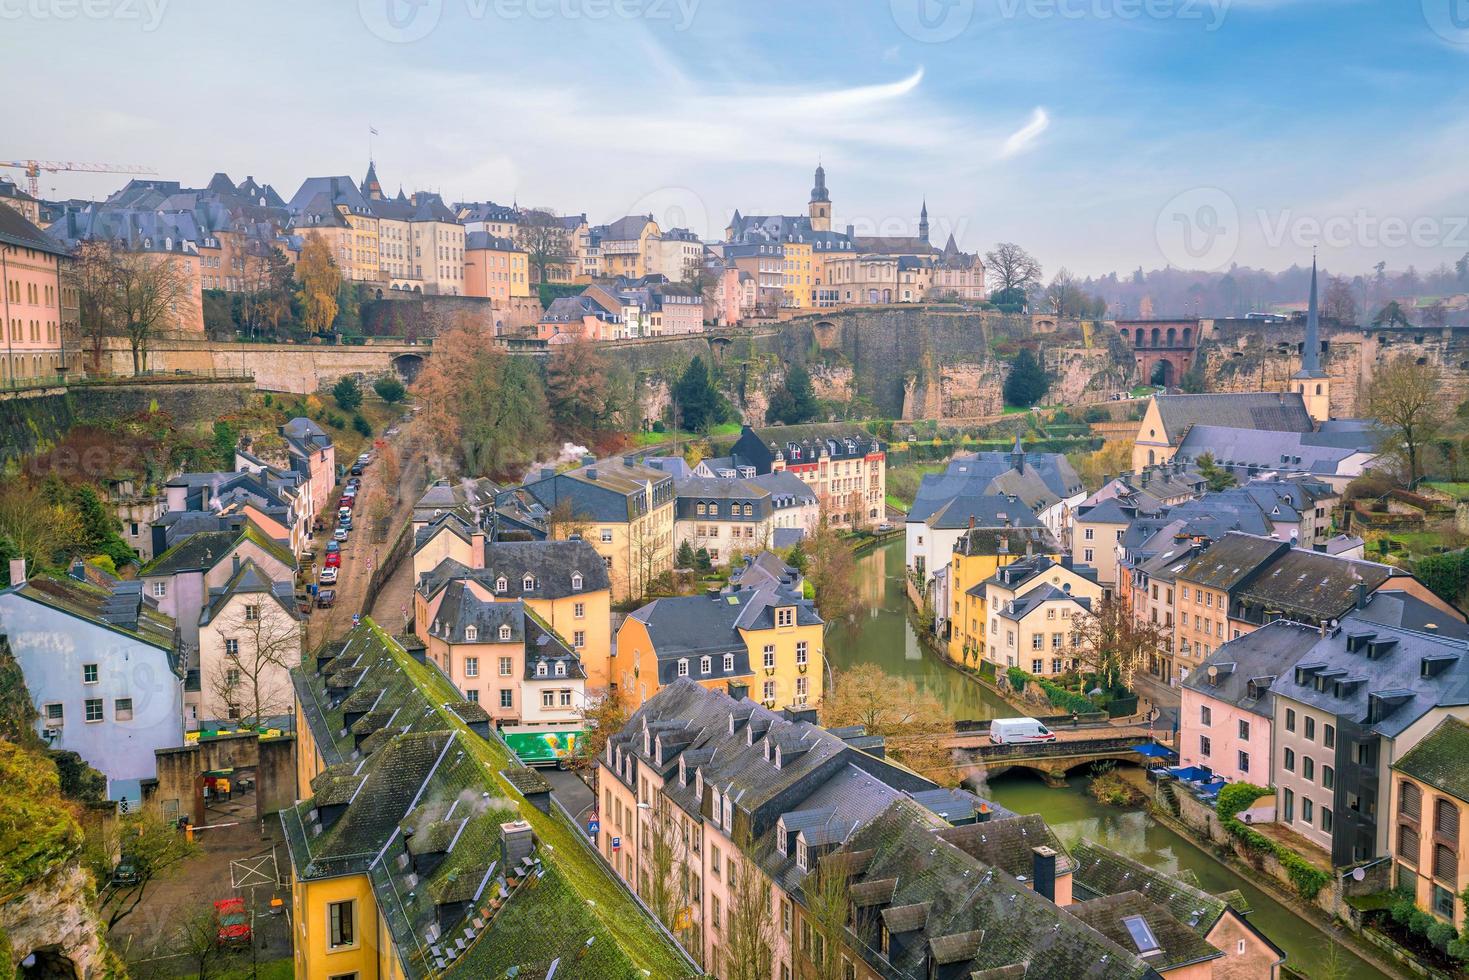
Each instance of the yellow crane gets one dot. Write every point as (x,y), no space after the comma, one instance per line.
(33,169)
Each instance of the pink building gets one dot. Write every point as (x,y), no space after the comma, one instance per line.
(30,301)
(1224,719)
(678,315)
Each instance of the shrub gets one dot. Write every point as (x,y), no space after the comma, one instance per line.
(658,426)
(1440,934)
(361,425)
(389,389)
(1402,910)
(1017,678)
(1308,879)
(347,393)
(1420,922)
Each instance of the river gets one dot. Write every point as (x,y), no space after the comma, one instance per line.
(883,635)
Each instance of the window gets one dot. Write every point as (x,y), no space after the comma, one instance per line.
(471,666)
(341,924)
(715,913)
(579,639)
(1244,730)
(548,699)
(471,633)
(1087,555)
(801,654)
(472,696)
(1206,715)
(93,707)
(507,698)
(576,581)
(1446,820)
(541,669)
(252,614)
(1328,777)
(565,699)
(706,665)
(1443,902)
(1327,819)
(89,673)
(1205,745)
(1328,736)
(122,709)
(1290,760)
(55,714)
(231,647)
(1290,719)
(683,668)
(1307,810)
(1290,807)
(1142,936)
(1308,768)
(768,656)
(579,610)
(1088,534)
(1244,762)
(768,692)
(160,589)
(502,585)
(607,536)
(528,583)
(504,631)
(1311,729)
(785,616)
(504,666)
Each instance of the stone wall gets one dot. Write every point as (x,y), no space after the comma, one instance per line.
(32,424)
(273,759)
(54,920)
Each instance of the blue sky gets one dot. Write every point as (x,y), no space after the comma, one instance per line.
(1101,134)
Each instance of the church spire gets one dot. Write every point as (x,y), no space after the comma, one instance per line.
(923,221)
(819,192)
(1311,352)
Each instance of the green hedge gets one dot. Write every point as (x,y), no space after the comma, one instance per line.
(1055,693)
(1308,879)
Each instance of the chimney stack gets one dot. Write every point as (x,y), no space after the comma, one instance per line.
(1361,595)
(17,571)
(1043,871)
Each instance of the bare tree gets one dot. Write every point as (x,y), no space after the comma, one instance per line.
(1406,397)
(152,846)
(1340,303)
(827,904)
(667,885)
(914,723)
(1011,267)
(544,240)
(149,288)
(1111,643)
(749,924)
(253,683)
(93,273)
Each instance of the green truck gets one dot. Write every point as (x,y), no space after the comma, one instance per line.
(543,746)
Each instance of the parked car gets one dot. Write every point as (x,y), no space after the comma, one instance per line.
(126,873)
(348,501)
(340,534)
(885,528)
(356,469)
(326,598)
(232,923)
(1019,731)
(332,547)
(333,559)
(329,575)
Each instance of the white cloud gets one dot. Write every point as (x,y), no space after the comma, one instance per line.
(1024,138)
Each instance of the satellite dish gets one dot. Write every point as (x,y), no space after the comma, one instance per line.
(1358,874)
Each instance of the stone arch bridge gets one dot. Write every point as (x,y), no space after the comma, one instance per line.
(1053,761)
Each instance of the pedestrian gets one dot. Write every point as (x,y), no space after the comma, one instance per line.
(1075,720)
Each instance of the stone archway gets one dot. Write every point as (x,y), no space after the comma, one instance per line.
(1163,373)
(47,963)
(408,367)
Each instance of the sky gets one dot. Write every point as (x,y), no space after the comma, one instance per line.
(1102,135)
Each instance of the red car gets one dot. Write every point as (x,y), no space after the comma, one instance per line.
(333,560)
(348,500)
(232,922)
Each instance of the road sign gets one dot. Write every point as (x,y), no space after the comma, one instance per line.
(594,826)
(617,843)
(356,619)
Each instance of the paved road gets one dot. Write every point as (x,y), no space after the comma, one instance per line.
(366,545)
(571,793)
(1065,733)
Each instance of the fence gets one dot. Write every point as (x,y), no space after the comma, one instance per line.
(402,545)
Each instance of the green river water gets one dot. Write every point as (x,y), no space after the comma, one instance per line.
(882,635)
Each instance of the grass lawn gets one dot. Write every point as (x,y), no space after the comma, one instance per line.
(903,481)
(1459,491)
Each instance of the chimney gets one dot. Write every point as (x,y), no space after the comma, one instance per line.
(1361,595)
(629,461)
(1003,546)
(971,522)
(592,473)
(983,814)
(739,691)
(477,549)
(17,571)
(712,592)
(1043,871)
(79,570)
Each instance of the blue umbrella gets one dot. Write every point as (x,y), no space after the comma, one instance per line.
(1154,751)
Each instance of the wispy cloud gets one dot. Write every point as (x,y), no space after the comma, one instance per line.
(1024,138)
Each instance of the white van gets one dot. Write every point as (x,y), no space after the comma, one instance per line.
(1017,731)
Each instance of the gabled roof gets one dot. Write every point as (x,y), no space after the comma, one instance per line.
(117,606)
(1244,669)
(1232,560)
(249,579)
(1269,411)
(1101,871)
(1438,759)
(1162,942)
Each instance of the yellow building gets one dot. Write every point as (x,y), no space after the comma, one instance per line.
(756,633)
(1429,804)
(799,275)
(627,246)
(1031,605)
(978,554)
(620,507)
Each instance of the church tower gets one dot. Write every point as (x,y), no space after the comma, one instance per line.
(923,223)
(820,208)
(1311,381)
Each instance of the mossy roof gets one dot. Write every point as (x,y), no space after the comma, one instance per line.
(1441,759)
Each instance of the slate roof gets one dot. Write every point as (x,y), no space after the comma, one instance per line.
(984,510)
(1269,411)
(1231,560)
(1005,540)
(616,494)
(250,579)
(471,500)
(1246,668)
(704,490)
(415,785)
(1396,608)
(461,609)
(1006,843)
(552,564)
(1177,945)
(1290,452)
(765,570)
(16,230)
(203,550)
(1391,689)
(690,627)
(1310,586)
(1100,871)
(1438,759)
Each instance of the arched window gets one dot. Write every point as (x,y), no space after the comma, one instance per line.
(1151,459)
(1318,389)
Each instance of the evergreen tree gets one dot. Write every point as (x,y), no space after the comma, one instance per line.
(794,401)
(348,393)
(1027,383)
(685,555)
(699,404)
(702,561)
(389,389)
(798,558)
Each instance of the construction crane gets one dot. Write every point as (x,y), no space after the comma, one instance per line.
(33,169)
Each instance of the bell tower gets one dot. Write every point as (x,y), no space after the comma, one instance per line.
(820,207)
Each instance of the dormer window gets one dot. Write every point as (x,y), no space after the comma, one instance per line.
(699,783)
(683,771)
(576,581)
(471,633)
(706,665)
(803,855)
(540,670)
(560,668)
(505,631)
(729,663)
(785,616)
(777,757)
(728,813)
(502,585)
(780,837)
(683,668)
(528,583)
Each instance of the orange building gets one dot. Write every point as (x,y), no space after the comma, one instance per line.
(30,303)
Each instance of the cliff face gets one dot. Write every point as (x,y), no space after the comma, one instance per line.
(53,920)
